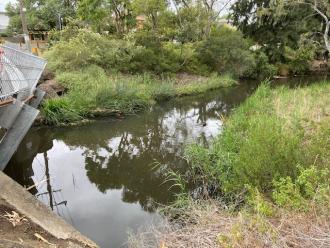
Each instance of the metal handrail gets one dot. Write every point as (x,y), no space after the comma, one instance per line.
(19,73)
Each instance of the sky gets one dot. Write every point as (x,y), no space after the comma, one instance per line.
(3,4)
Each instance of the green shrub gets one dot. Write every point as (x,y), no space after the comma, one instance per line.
(5,34)
(226,51)
(258,203)
(262,69)
(287,194)
(299,60)
(269,146)
(128,56)
(184,58)
(162,56)
(89,48)
(153,57)
(257,149)
(71,30)
(312,184)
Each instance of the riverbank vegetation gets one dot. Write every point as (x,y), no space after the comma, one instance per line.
(274,136)
(265,179)
(127,39)
(93,92)
(288,34)
(116,75)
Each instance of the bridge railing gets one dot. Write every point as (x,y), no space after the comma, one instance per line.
(19,73)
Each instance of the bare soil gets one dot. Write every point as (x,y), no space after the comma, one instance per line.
(52,88)
(25,233)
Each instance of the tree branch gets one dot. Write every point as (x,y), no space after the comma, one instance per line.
(314,6)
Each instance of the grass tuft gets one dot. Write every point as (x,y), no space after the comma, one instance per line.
(93,89)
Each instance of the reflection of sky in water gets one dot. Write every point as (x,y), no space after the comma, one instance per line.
(88,208)
(103,178)
(187,128)
(105,216)
(106,211)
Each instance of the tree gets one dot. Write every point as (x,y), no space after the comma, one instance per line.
(197,17)
(122,14)
(94,12)
(150,8)
(324,14)
(104,14)
(273,25)
(41,15)
(322,8)
(193,24)
(226,51)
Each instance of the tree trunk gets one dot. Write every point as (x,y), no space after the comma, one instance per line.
(154,21)
(327,24)
(326,35)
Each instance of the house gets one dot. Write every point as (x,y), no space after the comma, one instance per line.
(39,41)
(4,21)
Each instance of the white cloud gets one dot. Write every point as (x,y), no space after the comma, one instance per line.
(3,4)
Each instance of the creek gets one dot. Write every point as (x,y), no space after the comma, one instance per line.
(104,178)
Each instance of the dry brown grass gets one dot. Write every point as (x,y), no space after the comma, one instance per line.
(210,225)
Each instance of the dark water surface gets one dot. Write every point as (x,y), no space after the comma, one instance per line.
(102,177)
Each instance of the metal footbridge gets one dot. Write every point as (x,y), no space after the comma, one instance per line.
(19,98)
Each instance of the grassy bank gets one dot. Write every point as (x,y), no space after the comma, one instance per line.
(92,92)
(271,141)
(266,179)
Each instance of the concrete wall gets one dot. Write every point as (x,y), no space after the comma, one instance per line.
(18,197)
(4,21)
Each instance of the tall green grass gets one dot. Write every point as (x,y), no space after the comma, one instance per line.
(92,89)
(270,141)
(213,82)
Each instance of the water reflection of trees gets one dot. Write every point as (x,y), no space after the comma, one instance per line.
(120,154)
(20,166)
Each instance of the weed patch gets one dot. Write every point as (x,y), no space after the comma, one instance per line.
(276,143)
(92,88)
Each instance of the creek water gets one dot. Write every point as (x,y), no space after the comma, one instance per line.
(106,178)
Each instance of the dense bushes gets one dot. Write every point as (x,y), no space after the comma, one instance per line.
(88,48)
(299,60)
(312,184)
(277,142)
(262,68)
(128,56)
(225,51)
(98,72)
